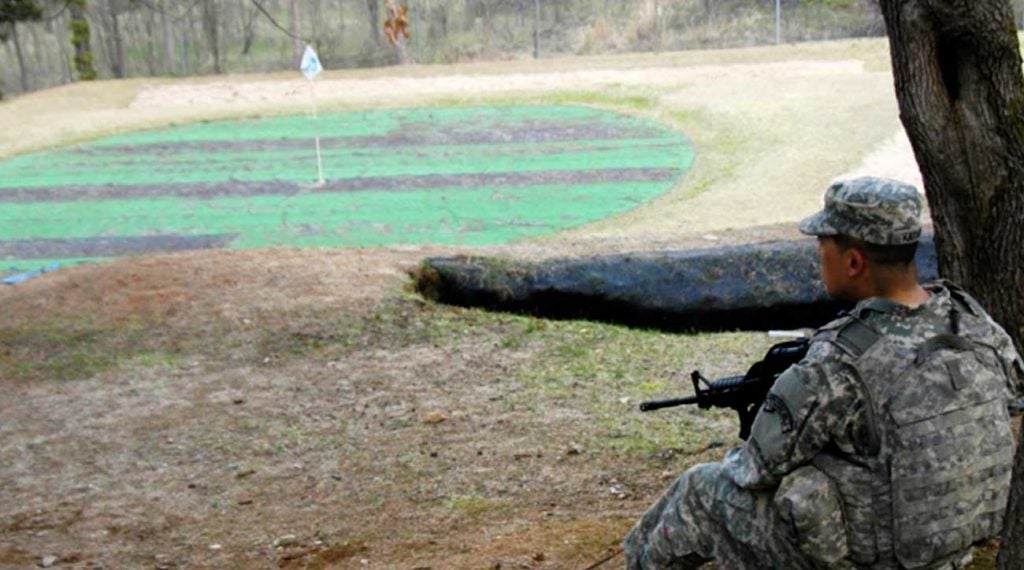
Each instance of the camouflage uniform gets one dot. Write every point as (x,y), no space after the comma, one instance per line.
(808,489)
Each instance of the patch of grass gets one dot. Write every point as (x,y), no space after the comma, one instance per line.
(474,506)
(57,350)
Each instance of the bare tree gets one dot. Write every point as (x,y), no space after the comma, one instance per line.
(373,17)
(957,70)
(210,26)
(297,46)
(249,13)
(536,29)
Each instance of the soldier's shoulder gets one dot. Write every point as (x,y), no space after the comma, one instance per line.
(970,306)
(849,335)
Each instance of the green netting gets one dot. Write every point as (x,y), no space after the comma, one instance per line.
(470,176)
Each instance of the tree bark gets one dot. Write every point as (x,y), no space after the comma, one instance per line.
(957,70)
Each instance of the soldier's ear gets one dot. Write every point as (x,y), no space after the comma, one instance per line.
(855,261)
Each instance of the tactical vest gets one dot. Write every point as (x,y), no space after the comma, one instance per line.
(937,476)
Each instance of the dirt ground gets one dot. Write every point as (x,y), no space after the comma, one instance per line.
(304,409)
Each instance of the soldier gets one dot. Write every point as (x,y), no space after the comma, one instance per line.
(887,446)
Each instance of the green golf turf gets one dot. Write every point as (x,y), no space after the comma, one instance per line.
(469,176)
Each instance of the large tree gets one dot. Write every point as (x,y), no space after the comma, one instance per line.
(957,69)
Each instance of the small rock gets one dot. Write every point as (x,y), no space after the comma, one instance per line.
(574,449)
(619,491)
(215,547)
(48,561)
(539,557)
(336,476)
(238,401)
(624,400)
(245,500)
(710,237)
(435,418)
(245,473)
(433,454)
(285,541)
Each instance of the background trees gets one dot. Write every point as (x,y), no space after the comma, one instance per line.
(129,38)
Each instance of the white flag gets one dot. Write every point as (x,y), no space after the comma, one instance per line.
(310,65)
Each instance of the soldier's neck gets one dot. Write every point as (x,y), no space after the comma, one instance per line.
(897,285)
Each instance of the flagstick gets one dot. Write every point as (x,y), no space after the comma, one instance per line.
(316,134)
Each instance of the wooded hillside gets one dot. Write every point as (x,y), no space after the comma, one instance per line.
(131,38)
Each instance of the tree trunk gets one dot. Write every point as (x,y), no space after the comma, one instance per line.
(373,14)
(168,33)
(186,29)
(65,55)
(248,29)
(22,72)
(297,46)
(149,21)
(117,51)
(210,26)
(536,29)
(957,69)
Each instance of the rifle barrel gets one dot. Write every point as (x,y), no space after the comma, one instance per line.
(659,404)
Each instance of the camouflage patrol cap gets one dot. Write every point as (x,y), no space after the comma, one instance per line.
(875,210)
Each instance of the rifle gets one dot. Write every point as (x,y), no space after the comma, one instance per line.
(746,393)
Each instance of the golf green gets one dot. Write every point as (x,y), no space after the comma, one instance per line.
(467,176)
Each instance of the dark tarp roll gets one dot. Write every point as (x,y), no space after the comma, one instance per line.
(752,287)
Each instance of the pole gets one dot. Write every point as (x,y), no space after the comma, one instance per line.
(316,136)
(778,22)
